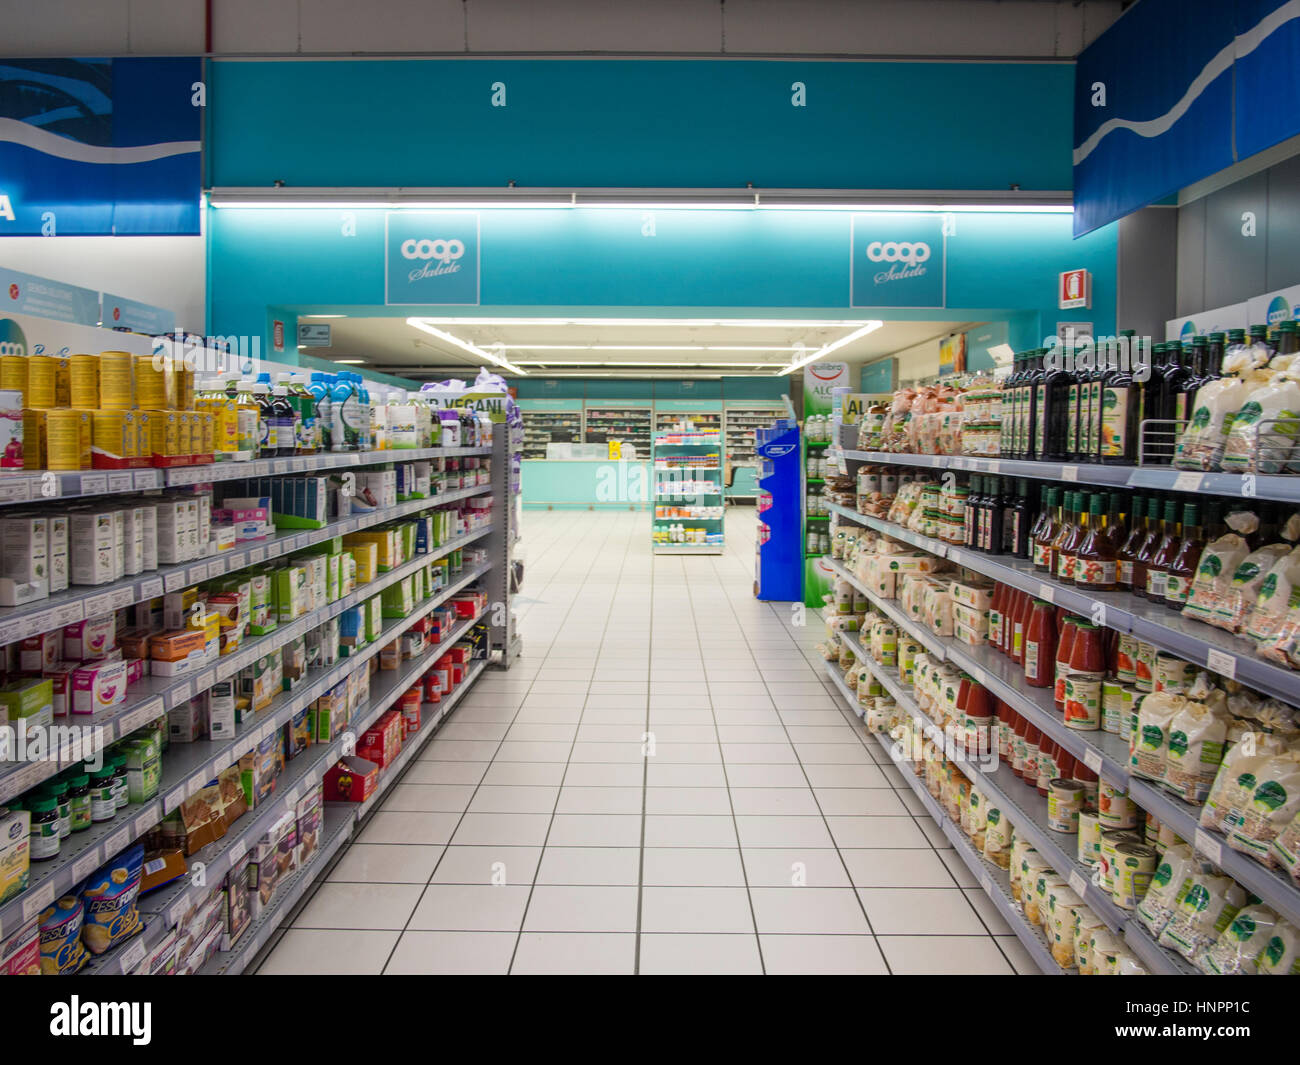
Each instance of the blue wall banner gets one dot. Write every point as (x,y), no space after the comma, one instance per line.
(897,260)
(1177,90)
(96,147)
(132,316)
(431,258)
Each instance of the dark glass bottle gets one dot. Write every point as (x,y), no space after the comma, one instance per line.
(1286,340)
(1187,556)
(1137,532)
(1120,411)
(1014,393)
(1033,392)
(1075,414)
(1158,567)
(993,537)
(1050,440)
(1155,533)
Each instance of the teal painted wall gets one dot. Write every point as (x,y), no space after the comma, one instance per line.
(682,123)
(594,261)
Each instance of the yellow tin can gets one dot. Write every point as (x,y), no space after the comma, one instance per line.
(116,380)
(209,421)
(151,382)
(34,453)
(184,386)
(63,429)
(83,381)
(163,434)
(63,382)
(13,373)
(130,434)
(109,430)
(184,433)
(42,377)
(144,437)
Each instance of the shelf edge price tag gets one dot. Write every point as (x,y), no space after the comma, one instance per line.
(195,784)
(1092,759)
(1209,846)
(174,582)
(41,899)
(151,589)
(86,864)
(121,482)
(237,850)
(1069,473)
(1187,482)
(1046,592)
(1078,883)
(93,484)
(173,800)
(132,955)
(1222,663)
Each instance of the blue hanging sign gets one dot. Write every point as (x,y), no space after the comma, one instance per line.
(897,260)
(431,258)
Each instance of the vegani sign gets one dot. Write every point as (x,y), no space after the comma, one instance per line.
(897,260)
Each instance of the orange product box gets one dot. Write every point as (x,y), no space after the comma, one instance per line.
(351,779)
(382,743)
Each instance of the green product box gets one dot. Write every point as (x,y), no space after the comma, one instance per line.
(289,593)
(333,546)
(374,616)
(407,530)
(261,613)
(398,599)
(333,566)
(143,768)
(418,588)
(242,587)
(29,698)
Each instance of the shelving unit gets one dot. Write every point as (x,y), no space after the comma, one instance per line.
(542,427)
(814,525)
(627,424)
(1104,753)
(702,420)
(741,428)
(186,768)
(700,464)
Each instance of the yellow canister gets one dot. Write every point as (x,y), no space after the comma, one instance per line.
(63,439)
(1089,853)
(83,381)
(110,439)
(116,380)
(1111,839)
(34,452)
(130,435)
(63,382)
(85,437)
(1134,867)
(144,437)
(151,382)
(42,387)
(163,436)
(13,373)
(184,433)
(184,386)
(209,423)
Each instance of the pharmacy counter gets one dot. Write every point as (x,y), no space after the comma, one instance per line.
(585,484)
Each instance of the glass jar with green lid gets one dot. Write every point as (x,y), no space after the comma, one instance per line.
(44,839)
(118,763)
(103,807)
(79,801)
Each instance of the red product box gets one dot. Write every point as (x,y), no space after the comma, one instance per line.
(352,779)
(457,673)
(465,608)
(382,743)
(134,670)
(412,718)
(460,654)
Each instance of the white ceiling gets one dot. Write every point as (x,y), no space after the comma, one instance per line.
(621,347)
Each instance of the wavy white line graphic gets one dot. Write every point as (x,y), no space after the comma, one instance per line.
(1241,47)
(44,141)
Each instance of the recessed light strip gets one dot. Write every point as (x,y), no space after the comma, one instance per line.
(833,346)
(465,345)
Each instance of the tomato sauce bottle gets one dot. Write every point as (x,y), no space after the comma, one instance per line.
(1040,646)
(1064,646)
(1083,682)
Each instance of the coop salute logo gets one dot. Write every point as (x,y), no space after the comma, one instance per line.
(432,257)
(898,260)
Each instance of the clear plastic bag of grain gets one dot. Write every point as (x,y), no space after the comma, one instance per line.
(1201,912)
(1173,873)
(1239,945)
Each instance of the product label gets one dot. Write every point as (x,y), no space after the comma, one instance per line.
(1042,555)
(1017,640)
(995,626)
(1083,701)
(1156,584)
(1176,587)
(1094,571)
(1072,422)
(1065,566)
(1124,573)
(1031,660)
(1114,423)
(1040,402)
(1095,414)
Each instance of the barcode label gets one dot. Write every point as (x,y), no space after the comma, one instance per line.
(1092,759)
(1046,592)
(121,482)
(281,466)
(237,851)
(117,841)
(19,491)
(256,555)
(216,568)
(198,573)
(195,784)
(99,605)
(173,800)
(204,681)
(1222,663)
(1209,846)
(86,864)
(93,484)
(12,631)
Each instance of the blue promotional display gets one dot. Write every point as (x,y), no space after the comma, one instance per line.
(100,147)
(778,562)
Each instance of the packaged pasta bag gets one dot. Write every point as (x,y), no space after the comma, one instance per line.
(1194,751)
(1283,647)
(1213,575)
(1202,442)
(1128,965)
(1286,848)
(1281,954)
(1239,597)
(1274,802)
(61,949)
(1264,430)
(1233,789)
(1149,743)
(111,893)
(1238,945)
(1274,598)
(1172,875)
(1203,910)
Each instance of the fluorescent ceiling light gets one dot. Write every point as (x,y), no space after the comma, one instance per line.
(583,362)
(833,346)
(349,362)
(643,347)
(743,323)
(465,345)
(322,316)
(927,208)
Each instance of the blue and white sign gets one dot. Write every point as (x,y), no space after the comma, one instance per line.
(132,316)
(898,260)
(431,258)
(27,294)
(94,147)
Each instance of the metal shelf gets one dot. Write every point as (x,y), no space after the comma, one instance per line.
(152,696)
(1043,471)
(688,549)
(1242,486)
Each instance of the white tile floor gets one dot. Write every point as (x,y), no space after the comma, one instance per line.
(761,831)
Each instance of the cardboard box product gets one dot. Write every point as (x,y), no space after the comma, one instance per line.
(20,952)
(59,562)
(351,779)
(60,677)
(373,609)
(237,903)
(143,766)
(97,687)
(397,600)
(24,560)
(221,710)
(173,654)
(30,699)
(39,653)
(15,833)
(297,735)
(187,721)
(365,557)
(310,815)
(289,593)
(259,769)
(89,639)
(261,616)
(382,743)
(258,680)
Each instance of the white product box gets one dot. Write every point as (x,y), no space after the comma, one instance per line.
(221,710)
(58,552)
(133,531)
(149,533)
(91,546)
(98,687)
(24,560)
(170,529)
(119,545)
(192,530)
(205,523)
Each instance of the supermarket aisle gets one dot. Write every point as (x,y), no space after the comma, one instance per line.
(533,836)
